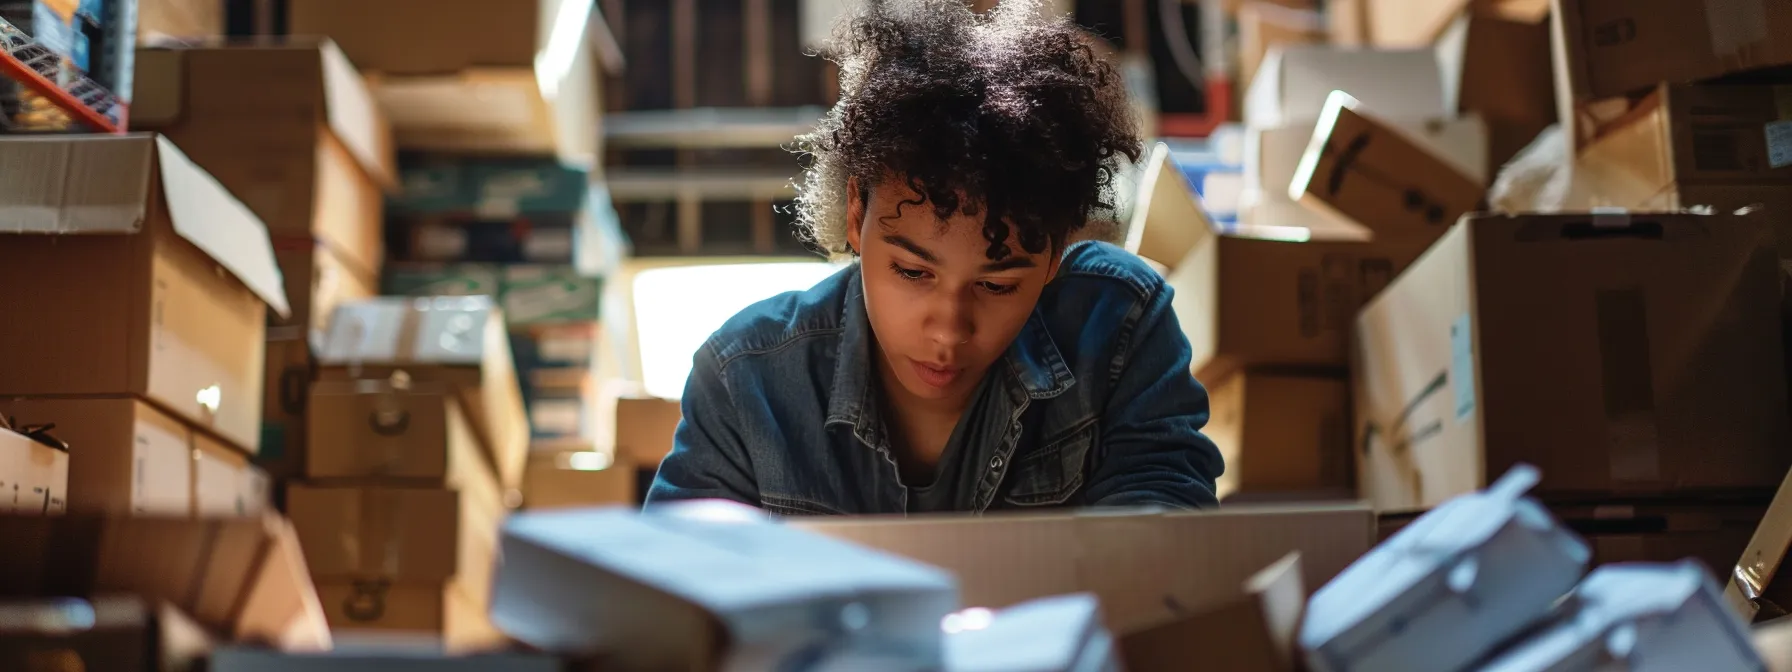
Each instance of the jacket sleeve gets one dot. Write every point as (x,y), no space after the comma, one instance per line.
(708,459)
(1152,449)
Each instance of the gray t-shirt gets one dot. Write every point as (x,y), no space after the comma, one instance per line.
(954,482)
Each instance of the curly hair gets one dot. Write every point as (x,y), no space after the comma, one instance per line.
(1009,116)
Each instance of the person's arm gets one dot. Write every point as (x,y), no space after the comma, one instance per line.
(1152,449)
(708,459)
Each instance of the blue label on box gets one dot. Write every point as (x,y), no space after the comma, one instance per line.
(1462,365)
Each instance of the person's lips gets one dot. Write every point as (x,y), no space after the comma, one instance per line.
(935,375)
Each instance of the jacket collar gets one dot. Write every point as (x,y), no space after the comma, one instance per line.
(1033,361)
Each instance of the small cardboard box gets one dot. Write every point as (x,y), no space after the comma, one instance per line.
(645,427)
(242,577)
(1292,84)
(1281,434)
(128,458)
(1622,354)
(1496,67)
(33,473)
(366,429)
(1265,25)
(290,129)
(1608,48)
(1245,301)
(109,632)
(146,278)
(534,71)
(1253,631)
(1370,173)
(317,280)
(559,480)
(397,535)
(1168,218)
(458,342)
(1147,568)
(438,612)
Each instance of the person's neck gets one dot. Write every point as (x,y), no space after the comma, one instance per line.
(919,428)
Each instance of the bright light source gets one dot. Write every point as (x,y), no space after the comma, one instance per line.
(677,309)
(974,618)
(587,461)
(209,398)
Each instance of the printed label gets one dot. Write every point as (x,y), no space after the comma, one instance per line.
(1462,365)
(1779,144)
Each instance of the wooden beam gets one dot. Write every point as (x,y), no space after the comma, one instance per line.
(764,235)
(757,19)
(684,53)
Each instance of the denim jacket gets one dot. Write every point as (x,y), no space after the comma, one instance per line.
(780,412)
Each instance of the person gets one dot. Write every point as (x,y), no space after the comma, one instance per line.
(975,356)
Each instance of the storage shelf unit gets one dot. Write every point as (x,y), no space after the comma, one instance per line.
(39,69)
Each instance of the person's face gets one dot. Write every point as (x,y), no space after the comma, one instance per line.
(941,309)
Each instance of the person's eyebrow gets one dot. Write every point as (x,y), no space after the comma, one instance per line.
(1011,263)
(913,248)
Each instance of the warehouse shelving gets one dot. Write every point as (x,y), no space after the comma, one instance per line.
(39,69)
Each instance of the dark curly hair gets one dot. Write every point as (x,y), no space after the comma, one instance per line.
(1009,116)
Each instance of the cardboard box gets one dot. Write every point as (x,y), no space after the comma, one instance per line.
(1498,68)
(1255,302)
(458,342)
(1264,25)
(537,89)
(644,428)
(290,371)
(1253,631)
(397,534)
(560,480)
(1292,84)
(1147,568)
(129,458)
(1368,172)
(1409,24)
(111,632)
(1168,218)
(180,19)
(1281,434)
(1753,581)
(317,280)
(290,129)
(146,278)
(370,429)
(33,472)
(1607,48)
(242,577)
(1636,355)
(438,612)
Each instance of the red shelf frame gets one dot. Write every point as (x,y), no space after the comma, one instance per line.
(25,61)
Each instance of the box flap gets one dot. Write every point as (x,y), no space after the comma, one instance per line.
(205,214)
(74,184)
(355,116)
(1167,219)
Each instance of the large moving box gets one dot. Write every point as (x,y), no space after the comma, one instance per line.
(1282,435)
(33,473)
(1621,354)
(291,130)
(145,278)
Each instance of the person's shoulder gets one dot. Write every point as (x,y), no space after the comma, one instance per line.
(773,323)
(1107,270)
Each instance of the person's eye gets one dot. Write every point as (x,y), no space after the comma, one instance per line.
(908,273)
(999,289)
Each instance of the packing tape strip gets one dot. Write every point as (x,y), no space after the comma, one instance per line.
(1735,26)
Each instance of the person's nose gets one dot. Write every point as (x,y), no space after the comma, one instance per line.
(949,320)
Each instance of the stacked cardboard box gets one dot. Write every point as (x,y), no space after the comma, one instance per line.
(417,441)
(149,294)
(293,131)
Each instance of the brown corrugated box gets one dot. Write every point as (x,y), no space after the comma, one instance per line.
(645,428)
(126,457)
(1281,433)
(317,280)
(244,577)
(1630,354)
(388,557)
(532,89)
(1168,219)
(1253,631)
(1608,48)
(33,472)
(163,294)
(366,429)
(292,130)
(125,633)
(436,610)
(186,19)
(287,384)
(1497,68)
(559,480)
(1147,568)
(1263,25)
(1245,301)
(1371,173)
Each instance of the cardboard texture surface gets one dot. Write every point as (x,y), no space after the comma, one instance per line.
(1659,335)
(1246,301)
(1253,631)
(440,610)
(178,19)
(1281,433)
(1368,172)
(1265,25)
(645,427)
(397,535)
(1272,158)
(1751,581)
(368,429)
(133,459)
(316,155)
(1498,68)
(1147,568)
(171,276)
(1294,81)
(553,485)
(33,475)
(244,577)
(317,280)
(111,632)
(456,342)
(1167,217)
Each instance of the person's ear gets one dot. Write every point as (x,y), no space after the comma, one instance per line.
(855,215)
